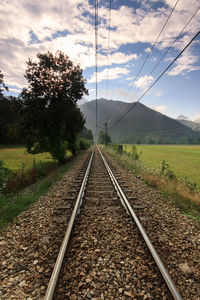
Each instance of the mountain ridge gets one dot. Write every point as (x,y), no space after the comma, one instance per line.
(141,123)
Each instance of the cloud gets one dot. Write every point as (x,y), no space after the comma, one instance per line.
(144,81)
(113,74)
(159,93)
(186,63)
(160,108)
(29,27)
(15,90)
(147,50)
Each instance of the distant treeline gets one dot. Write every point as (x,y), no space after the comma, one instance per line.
(148,139)
(9,120)
(9,125)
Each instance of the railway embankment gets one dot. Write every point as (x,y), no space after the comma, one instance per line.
(30,246)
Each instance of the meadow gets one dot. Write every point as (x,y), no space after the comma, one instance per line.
(14,199)
(184,160)
(16,157)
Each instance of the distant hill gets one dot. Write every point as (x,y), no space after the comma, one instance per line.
(141,124)
(182,117)
(185,121)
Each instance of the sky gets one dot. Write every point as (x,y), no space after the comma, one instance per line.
(29,27)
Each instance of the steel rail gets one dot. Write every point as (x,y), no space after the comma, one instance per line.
(152,250)
(58,264)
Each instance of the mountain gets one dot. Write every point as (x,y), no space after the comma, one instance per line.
(141,124)
(185,121)
(197,120)
(182,117)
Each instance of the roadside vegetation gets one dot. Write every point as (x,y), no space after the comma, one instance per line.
(46,119)
(19,187)
(184,194)
(11,204)
(184,160)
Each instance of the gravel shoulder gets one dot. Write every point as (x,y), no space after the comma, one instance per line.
(29,247)
(175,236)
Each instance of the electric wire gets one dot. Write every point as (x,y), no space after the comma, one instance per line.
(149,53)
(96,61)
(108,57)
(165,53)
(161,58)
(114,124)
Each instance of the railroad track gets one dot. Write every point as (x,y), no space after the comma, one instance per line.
(109,255)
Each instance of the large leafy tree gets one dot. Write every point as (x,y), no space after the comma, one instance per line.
(2,85)
(50,118)
(104,138)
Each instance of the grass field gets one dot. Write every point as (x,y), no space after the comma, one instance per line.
(184,160)
(14,157)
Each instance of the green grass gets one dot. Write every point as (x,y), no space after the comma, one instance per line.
(184,160)
(11,206)
(173,191)
(14,157)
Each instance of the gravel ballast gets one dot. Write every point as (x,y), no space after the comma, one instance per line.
(29,247)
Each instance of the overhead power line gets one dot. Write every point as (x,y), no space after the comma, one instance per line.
(149,53)
(96,57)
(156,79)
(108,57)
(161,58)
(165,53)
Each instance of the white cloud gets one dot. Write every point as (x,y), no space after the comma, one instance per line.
(159,93)
(113,74)
(186,63)
(144,81)
(15,90)
(147,50)
(160,108)
(20,18)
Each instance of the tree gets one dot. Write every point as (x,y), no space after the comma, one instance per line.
(102,137)
(86,134)
(50,118)
(2,85)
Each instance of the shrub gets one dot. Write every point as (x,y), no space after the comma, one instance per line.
(84,144)
(192,185)
(166,171)
(4,176)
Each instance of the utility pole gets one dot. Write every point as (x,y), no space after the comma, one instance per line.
(106,133)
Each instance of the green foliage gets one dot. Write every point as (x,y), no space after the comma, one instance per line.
(133,152)
(104,137)
(84,144)
(184,159)
(11,206)
(188,206)
(2,85)
(49,117)
(4,176)
(86,134)
(192,185)
(166,171)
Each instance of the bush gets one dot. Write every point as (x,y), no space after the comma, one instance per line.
(192,185)
(166,171)
(84,144)
(4,176)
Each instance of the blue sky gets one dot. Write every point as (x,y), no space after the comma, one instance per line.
(29,27)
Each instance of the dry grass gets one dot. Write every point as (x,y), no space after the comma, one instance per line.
(173,187)
(179,194)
